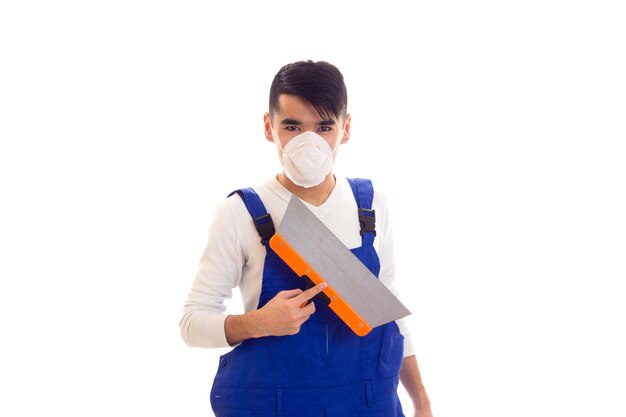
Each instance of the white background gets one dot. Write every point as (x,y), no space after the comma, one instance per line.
(496,128)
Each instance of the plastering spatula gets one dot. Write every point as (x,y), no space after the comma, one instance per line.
(315,253)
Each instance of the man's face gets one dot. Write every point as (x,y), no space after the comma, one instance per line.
(295,116)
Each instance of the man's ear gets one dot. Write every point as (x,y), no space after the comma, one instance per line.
(346,129)
(268,127)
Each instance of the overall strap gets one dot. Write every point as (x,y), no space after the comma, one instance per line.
(364,195)
(262,219)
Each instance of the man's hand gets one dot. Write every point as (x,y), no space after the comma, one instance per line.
(282,315)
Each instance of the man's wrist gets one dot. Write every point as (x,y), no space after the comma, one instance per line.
(251,325)
(241,327)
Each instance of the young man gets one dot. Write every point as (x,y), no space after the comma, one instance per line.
(289,358)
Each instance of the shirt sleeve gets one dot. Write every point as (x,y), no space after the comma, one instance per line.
(387,264)
(219,271)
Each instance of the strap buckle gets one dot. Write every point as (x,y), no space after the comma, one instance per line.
(367,220)
(265,227)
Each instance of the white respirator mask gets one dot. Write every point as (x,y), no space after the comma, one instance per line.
(307,159)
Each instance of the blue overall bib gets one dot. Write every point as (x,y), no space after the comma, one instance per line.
(323,371)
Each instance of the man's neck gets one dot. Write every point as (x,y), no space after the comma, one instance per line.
(314,195)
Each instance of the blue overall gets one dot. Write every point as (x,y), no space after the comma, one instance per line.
(323,371)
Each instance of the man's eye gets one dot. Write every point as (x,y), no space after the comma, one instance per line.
(292,128)
(325,128)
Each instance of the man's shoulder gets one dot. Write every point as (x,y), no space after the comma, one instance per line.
(263,189)
(378,187)
(259,185)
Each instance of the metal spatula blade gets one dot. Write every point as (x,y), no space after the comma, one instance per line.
(325,254)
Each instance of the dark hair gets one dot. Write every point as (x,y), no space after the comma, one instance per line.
(318,83)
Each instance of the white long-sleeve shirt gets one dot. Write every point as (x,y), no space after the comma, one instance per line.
(234,256)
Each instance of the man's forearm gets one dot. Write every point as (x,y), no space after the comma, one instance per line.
(412,382)
(240,327)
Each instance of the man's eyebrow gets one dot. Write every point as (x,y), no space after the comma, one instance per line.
(291,122)
(295,122)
